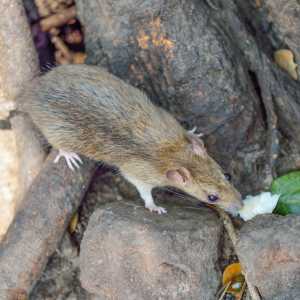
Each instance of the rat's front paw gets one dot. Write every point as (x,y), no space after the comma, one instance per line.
(159,209)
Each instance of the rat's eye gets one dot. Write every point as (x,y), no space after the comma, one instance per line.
(228,176)
(212,198)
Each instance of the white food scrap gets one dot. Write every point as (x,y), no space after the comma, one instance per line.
(263,203)
(237,285)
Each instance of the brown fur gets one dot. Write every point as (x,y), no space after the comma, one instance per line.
(86,110)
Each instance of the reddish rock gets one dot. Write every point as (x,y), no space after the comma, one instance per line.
(38,226)
(31,154)
(129,253)
(268,247)
(8,179)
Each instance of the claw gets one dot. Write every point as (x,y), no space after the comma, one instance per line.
(69,163)
(70,159)
(158,209)
(199,134)
(193,132)
(77,157)
(74,162)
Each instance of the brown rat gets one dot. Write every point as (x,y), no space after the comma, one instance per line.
(83,109)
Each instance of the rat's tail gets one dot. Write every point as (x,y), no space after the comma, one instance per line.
(8,105)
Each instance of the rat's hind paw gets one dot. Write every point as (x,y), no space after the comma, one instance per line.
(159,209)
(196,134)
(70,158)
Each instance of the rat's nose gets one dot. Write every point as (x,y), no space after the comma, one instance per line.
(237,207)
(240,206)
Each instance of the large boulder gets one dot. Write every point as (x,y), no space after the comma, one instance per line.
(183,60)
(269,250)
(129,253)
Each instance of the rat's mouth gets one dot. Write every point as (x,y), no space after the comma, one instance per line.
(233,208)
(236,207)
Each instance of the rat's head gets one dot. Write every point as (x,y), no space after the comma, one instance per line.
(203,178)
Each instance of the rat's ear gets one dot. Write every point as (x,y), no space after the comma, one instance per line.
(180,176)
(197,144)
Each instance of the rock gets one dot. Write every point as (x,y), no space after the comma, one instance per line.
(213,70)
(38,226)
(181,59)
(31,154)
(286,19)
(129,253)
(60,279)
(269,250)
(9,167)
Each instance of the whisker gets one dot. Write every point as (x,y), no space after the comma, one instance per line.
(178,194)
(203,205)
(181,196)
(249,181)
(244,186)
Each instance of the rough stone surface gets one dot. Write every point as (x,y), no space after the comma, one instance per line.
(60,279)
(183,61)
(211,69)
(286,16)
(19,62)
(129,253)
(269,250)
(8,178)
(31,154)
(39,225)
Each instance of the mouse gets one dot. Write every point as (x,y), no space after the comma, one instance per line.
(84,110)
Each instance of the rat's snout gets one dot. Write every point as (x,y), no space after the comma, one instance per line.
(236,207)
(236,203)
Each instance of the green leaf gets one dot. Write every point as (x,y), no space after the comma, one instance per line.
(289,187)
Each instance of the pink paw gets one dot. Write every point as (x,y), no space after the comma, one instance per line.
(70,158)
(159,209)
(196,134)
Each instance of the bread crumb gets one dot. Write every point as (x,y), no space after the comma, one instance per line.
(263,203)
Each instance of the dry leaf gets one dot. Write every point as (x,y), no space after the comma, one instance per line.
(285,59)
(230,272)
(73,223)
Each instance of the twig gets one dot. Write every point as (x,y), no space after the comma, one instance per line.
(231,231)
(242,290)
(64,56)
(61,46)
(58,19)
(225,290)
(225,286)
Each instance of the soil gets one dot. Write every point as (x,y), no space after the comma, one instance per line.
(61,278)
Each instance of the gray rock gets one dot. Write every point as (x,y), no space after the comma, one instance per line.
(129,253)
(286,19)
(181,59)
(268,247)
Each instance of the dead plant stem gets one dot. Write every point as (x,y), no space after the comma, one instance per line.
(231,231)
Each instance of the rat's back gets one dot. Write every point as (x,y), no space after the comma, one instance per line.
(84,109)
